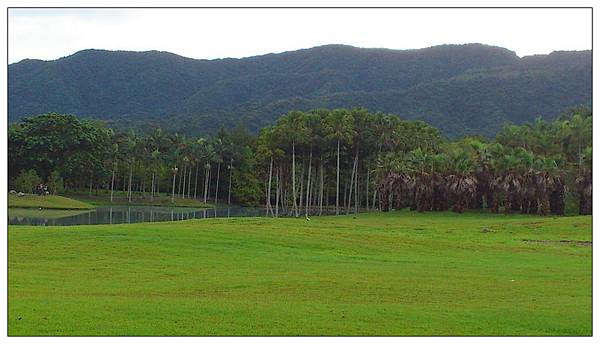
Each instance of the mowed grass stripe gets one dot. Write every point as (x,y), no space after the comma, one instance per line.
(401,273)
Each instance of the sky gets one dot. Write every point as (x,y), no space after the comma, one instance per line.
(49,34)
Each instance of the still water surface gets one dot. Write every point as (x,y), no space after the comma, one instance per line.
(121,214)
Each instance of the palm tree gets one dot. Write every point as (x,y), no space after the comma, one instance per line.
(529,195)
(218,149)
(583,182)
(173,156)
(115,157)
(338,127)
(421,168)
(155,162)
(510,181)
(131,151)
(461,183)
(210,157)
(580,135)
(392,170)
(174,171)
(266,147)
(481,158)
(441,166)
(293,128)
(233,154)
(200,152)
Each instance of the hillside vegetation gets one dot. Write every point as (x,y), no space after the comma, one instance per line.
(462,89)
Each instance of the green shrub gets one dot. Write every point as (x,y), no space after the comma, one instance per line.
(55,183)
(27,181)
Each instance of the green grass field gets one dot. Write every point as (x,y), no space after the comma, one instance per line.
(46,202)
(401,273)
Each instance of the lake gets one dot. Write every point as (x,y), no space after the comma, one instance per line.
(121,214)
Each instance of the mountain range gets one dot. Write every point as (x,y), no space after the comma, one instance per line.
(470,89)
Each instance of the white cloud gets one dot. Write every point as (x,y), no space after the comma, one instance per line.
(218,33)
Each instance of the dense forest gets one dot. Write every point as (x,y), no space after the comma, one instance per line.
(308,163)
(146,90)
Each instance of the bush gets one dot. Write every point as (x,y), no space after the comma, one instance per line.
(55,183)
(27,181)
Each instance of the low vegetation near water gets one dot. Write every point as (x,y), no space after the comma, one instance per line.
(160,200)
(80,202)
(397,273)
(46,202)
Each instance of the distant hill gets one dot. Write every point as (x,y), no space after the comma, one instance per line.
(461,89)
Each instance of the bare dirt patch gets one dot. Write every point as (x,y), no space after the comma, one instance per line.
(559,242)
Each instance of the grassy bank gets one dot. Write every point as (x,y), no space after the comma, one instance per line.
(120,198)
(400,273)
(46,202)
(45,213)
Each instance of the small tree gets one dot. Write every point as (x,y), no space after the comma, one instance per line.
(27,181)
(55,182)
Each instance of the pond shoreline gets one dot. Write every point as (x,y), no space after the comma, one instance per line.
(139,200)
(31,201)
(120,214)
(79,202)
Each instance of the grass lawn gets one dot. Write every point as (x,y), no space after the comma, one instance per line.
(46,202)
(120,198)
(401,273)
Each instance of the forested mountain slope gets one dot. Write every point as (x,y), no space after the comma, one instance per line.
(462,89)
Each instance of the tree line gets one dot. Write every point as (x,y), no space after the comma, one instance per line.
(375,161)
(74,155)
(320,161)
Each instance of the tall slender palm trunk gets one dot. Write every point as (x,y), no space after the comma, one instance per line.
(308,184)
(337,186)
(152,188)
(173,193)
(179,187)
(277,194)
(356,195)
(375,199)
(189,188)
(217,185)
(91,183)
(268,202)
(229,191)
(196,182)
(301,186)
(322,185)
(130,179)
(352,182)
(345,198)
(367,190)
(294,178)
(206,182)
(314,193)
(183,184)
(112,185)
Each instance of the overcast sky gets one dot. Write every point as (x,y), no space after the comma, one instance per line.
(217,33)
